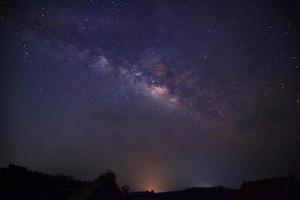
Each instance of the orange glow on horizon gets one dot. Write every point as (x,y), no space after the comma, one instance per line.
(152,176)
(152,187)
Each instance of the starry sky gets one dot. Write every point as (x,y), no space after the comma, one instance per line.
(168,94)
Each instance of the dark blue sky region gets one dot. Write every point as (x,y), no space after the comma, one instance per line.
(168,94)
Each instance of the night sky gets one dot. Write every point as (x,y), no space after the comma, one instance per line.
(167,94)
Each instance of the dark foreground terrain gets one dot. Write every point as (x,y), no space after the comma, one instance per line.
(17,182)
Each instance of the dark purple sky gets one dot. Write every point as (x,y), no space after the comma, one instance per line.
(168,94)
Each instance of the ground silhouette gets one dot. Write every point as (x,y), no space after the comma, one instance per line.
(18,182)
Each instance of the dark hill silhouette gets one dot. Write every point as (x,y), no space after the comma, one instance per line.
(17,182)
(145,195)
(212,193)
(284,188)
(104,188)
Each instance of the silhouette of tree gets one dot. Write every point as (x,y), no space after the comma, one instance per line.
(107,176)
(125,190)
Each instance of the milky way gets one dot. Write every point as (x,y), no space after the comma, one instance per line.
(168,94)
